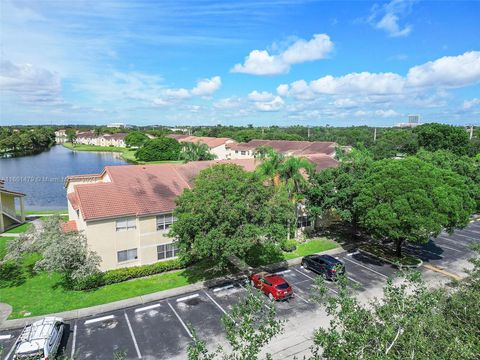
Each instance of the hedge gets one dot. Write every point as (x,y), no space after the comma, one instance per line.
(123,274)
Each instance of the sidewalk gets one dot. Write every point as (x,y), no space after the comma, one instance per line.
(140,300)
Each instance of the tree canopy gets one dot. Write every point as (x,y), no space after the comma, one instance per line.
(228,212)
(160,149)
(411,200)
(435,136)
(195,152)
(135,139)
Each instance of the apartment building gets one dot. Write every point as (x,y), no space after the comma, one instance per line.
(89,138)
(217,146)
(126,211)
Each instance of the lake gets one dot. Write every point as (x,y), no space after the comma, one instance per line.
(41,177)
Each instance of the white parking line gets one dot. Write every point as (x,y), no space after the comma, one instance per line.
(283,272)
(133,336)
(300,297)
(229,286)
(473,231)
(450,248)
(468,237)
(365,267)
(334,291)
(187,297)
(150,307)
(103,318)
(181,321)
(455,241)
(12,348)
(6,337)
(218,305)
(74,341)
(355,281)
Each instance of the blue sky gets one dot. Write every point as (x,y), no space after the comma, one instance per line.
(235,63)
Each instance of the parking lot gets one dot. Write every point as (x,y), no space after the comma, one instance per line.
(163,329)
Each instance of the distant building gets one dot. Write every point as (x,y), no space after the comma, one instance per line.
(89,138)
(116,125)
(413,120)
(60,136)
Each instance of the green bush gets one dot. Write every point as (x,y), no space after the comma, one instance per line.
(124,274)
(160,149)
(11,274)
(289,245)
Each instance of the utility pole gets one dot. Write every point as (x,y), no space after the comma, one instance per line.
(375,135)
(308,133)
(471,132)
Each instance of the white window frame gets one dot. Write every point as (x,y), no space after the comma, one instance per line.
(243,152)
(164,221)
(124,224)
(164,250)
(130,254)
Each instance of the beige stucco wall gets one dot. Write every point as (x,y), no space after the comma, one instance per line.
(103,238)
(8,201)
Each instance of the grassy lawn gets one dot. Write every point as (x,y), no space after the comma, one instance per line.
(269,254)
(19,229)
(46,212)
(3,245)
(42,293)
(311,247)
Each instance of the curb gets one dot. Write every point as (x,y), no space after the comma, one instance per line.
(143,299)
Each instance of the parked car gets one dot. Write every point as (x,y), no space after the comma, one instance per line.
(325,265)
(40,340)
(274,286)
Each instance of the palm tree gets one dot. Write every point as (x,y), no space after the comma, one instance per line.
(196,151)
(271,163)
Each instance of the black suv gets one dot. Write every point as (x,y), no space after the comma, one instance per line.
(325,265)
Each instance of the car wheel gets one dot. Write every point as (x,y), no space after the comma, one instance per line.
(270,296)
(305,266)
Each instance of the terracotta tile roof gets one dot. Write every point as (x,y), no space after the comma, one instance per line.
(211,142)
(116,136)
(72,197)
(69,226)
(295,147)
(141,189)
(322,161)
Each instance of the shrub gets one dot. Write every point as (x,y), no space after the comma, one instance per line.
(289,245)
(160,149)
(124,274)
(11,274)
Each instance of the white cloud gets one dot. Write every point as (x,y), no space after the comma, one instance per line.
(261,62)
(228,103)
(282,89)
(448,71)
(387,113)
(32,84)
(275,105)
(260,96)
(177,94)
(301,90)
(387,17)
(302,51)
(467,104)
(207,87)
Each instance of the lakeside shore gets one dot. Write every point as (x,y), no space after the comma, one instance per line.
(127,154)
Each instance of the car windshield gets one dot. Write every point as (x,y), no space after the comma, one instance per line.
(282,286)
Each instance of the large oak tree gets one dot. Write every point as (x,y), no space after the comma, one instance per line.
(411,200)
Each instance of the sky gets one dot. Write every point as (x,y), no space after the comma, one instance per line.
(278,62)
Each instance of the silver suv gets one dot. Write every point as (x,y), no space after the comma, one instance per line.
(40,340)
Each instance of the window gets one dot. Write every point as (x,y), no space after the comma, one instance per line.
(303,221)
(167,251)
(126,224)
(236,151)
(126,255)
(243,152)
(164,221)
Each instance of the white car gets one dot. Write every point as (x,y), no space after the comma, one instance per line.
(40,340)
